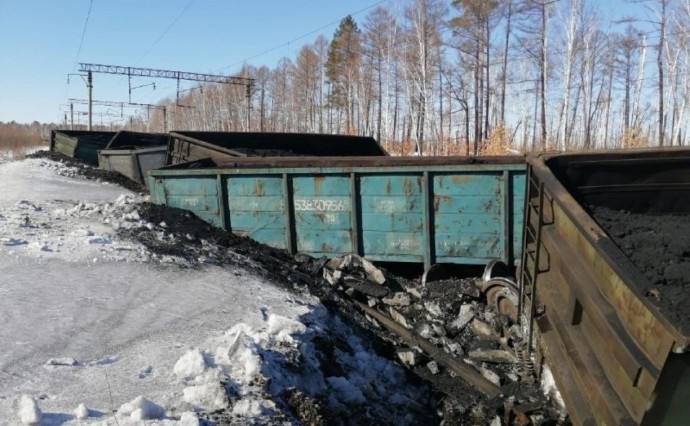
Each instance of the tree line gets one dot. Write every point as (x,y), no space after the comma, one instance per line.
(16,138)
(471,77)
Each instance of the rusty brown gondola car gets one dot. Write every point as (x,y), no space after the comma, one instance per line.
(618,357)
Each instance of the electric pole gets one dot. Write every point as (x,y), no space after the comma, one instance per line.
(89,84)
(249,106)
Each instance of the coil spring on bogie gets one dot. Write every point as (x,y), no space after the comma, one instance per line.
(525,368)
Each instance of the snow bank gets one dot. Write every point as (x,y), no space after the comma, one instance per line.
(189,419)
(190,365)
(29,413)
(280,328)
(252,409)
(141,408)
(81,412)
(208,396)
(237,353)
(548,386)
(66,218)
(261,364)
(72,230)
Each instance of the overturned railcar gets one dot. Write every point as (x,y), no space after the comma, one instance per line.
(220,146)
(616,341)
(80,144)
(133,154)
(424,210)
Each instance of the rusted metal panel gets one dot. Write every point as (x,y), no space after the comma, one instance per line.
(202,185)
(388,210)
(616,363)
(474,215)
(156,189)
(62,143)
(392,214)
(247,220)
(322,214)
(198,194)
(608,346)
(465,245)
(409,245)
(515,210)
(133,154)
(324,243)
(133,163)
(256,208)
(399,222)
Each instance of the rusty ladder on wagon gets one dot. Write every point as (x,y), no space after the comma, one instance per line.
(529,267)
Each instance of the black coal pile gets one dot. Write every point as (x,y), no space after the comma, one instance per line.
(447,328)
(445,332)
(659,246)
(87,171)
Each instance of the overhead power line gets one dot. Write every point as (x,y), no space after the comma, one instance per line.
(301,37)
(81,42)
(169,27)
(83,32)
(160,37)
(259,54)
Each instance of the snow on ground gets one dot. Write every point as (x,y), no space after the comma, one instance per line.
(11,155)
(96,329)
(71,293)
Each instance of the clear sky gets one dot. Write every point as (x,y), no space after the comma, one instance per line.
(40,43)
(40,40)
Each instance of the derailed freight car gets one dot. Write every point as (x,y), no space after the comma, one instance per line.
(400,209)
(615,335)
(133,154)
(192,146)
(80,144)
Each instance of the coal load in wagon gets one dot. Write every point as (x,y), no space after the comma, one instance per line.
(609,241)
(192,146)
(133,154)
(642,201)
(80,144)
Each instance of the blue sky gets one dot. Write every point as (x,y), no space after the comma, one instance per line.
(39,41)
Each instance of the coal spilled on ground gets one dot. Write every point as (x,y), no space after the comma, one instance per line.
(450,314)
(659,246)
(78,168)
